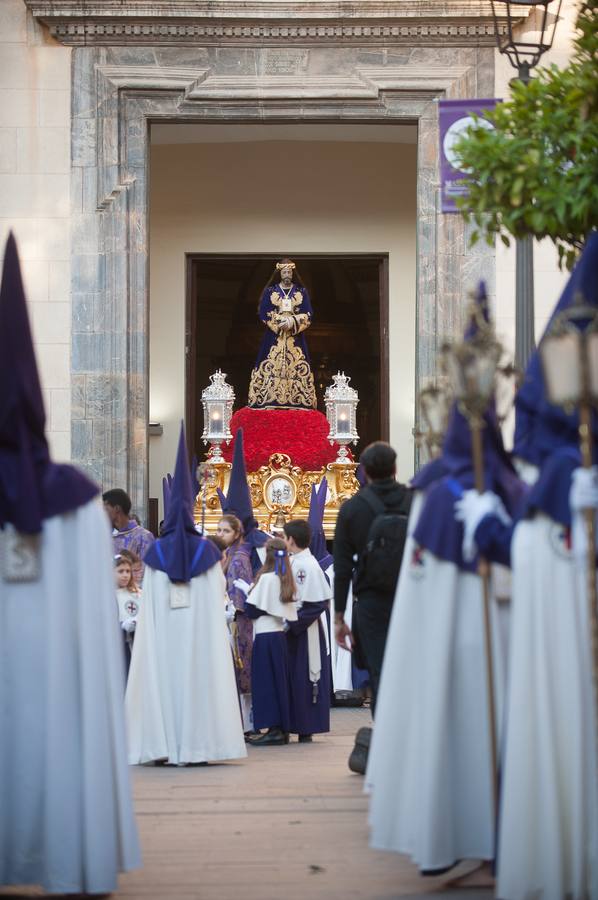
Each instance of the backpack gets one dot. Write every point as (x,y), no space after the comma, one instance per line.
(380,562)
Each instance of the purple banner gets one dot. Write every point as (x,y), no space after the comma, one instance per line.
(454,117)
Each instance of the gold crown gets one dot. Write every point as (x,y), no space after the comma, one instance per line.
(285,265)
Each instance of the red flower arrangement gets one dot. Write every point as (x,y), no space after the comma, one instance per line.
(300,433)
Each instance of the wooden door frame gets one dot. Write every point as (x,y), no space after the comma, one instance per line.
(191,282)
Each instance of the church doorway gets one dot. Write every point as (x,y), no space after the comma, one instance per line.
(349,331)
(225,202)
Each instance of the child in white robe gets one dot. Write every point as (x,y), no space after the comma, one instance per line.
(128,596)
(271,605)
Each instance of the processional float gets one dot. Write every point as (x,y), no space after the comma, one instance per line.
(289,445)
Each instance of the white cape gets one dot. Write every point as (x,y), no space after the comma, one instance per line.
(181,701)
(310,581)
(312,587)
(429,766)
(66,819)
(548,841)
(265,595)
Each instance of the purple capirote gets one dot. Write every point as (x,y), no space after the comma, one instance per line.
(32,487)
(180,551)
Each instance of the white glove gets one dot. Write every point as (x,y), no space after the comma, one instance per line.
(129,625)
(470,509)
(584,489)
(230,612)
(242,585)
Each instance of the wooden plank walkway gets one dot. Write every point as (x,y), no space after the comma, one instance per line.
(288,823)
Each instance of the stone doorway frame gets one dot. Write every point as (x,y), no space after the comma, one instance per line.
(119,92)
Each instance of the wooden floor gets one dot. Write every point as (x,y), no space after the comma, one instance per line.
(288,823)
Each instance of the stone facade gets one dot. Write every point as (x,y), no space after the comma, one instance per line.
(135,63)
(35,81)
(267,22)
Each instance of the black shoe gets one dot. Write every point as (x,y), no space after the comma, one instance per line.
(359,755)
(305,738)
(274,737)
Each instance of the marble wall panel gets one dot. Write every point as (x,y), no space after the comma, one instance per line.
(83,313)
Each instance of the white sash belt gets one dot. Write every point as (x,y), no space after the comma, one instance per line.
(267,625)
(313,651)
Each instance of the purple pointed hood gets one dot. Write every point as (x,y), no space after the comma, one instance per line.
(166,495)
(195,485)
(32,487)
(428,473)
(180,551)
(437,528)
(315,519)
(540,427)
(238,498)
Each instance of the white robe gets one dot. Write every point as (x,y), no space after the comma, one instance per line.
(181,701)
(548,840)
(342,674)
(128,604)
(312,587)
(429,766)
(66,819)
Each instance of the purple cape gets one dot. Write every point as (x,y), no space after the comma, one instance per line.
(540,427)
(437,529)
(315,519)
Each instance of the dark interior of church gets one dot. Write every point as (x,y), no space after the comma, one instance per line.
(347,333)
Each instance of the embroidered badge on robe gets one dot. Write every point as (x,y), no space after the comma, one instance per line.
(20,558)
(180,595)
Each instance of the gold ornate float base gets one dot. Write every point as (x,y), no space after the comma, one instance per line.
(279,492)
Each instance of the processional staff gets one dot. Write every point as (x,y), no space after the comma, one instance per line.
(204,473)
(569,354)
(471,366)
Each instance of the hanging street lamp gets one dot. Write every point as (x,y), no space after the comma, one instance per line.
(524,55)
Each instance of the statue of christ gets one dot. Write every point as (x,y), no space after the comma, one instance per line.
(282,376)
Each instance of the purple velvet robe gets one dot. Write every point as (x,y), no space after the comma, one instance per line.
(282,376)
(310,711)
(239,566)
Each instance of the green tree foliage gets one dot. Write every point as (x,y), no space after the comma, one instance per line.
(536,172)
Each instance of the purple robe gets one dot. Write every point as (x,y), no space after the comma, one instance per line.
(271,688)
(307,716)
(239,566)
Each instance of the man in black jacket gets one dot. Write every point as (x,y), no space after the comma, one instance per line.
(381,496)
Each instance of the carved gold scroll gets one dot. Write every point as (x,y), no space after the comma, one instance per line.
(279,492)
